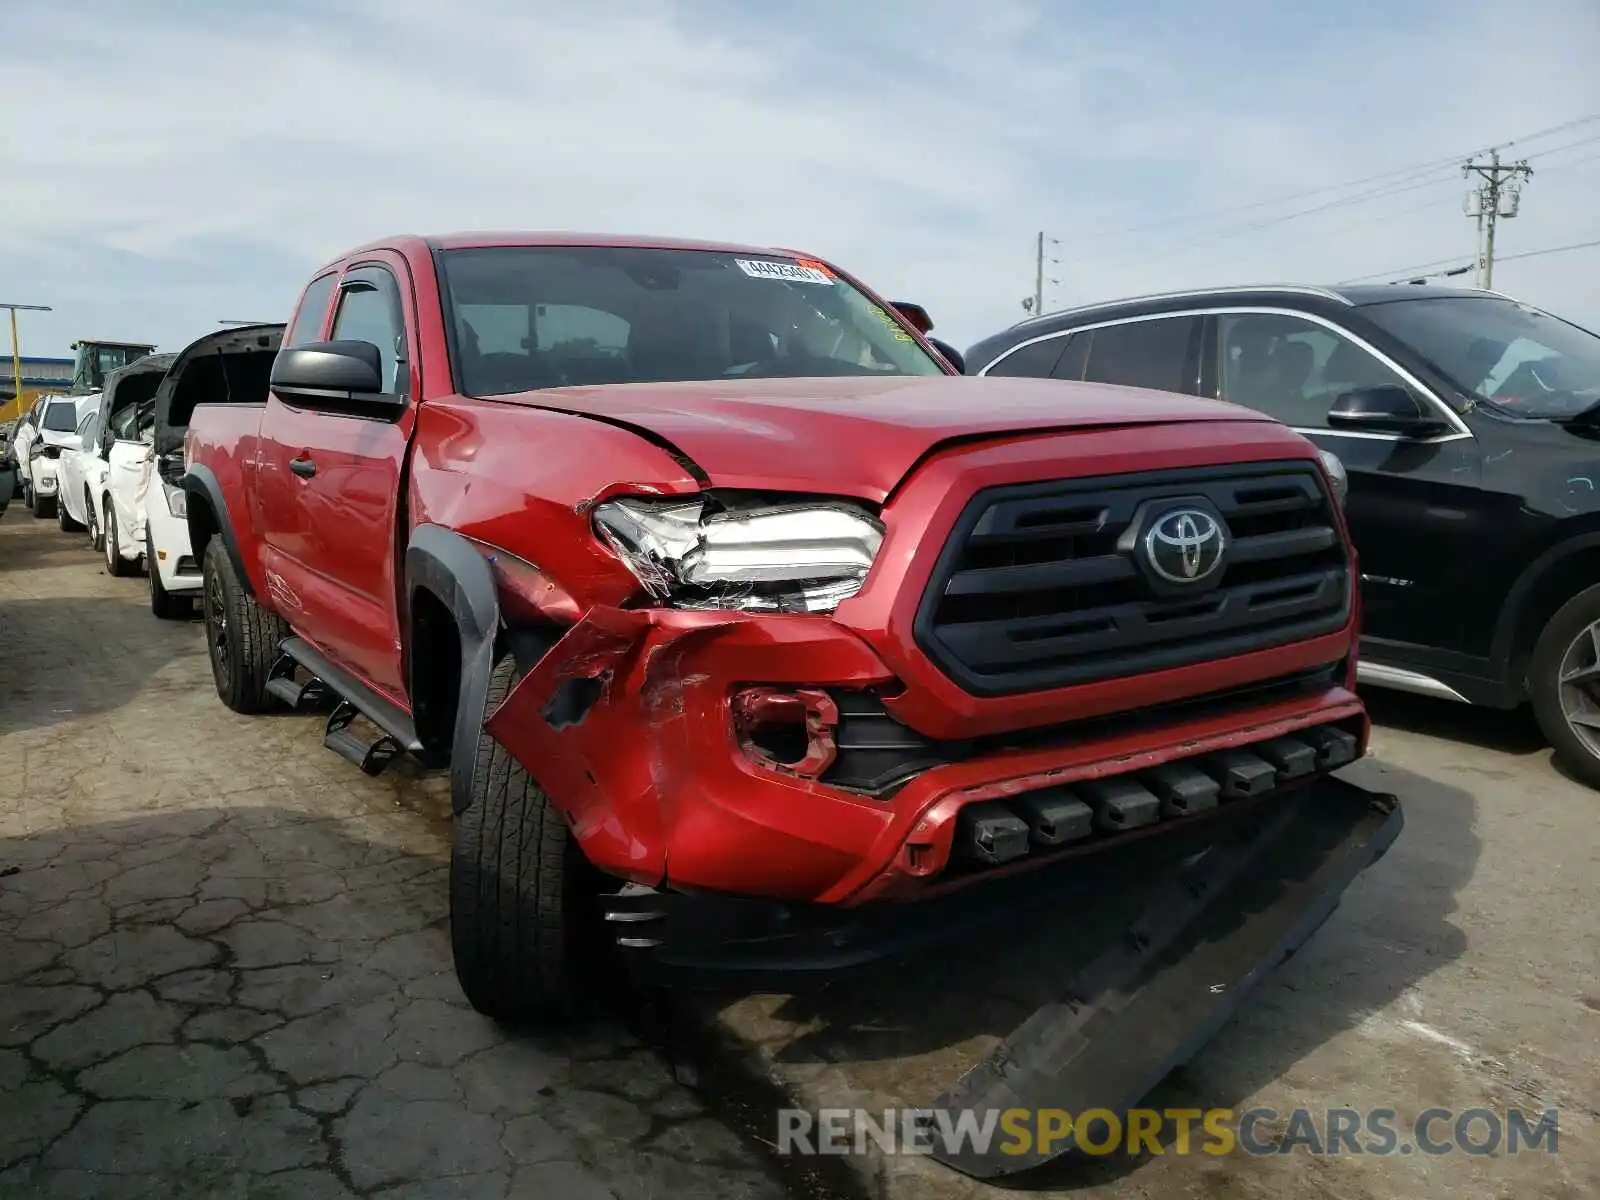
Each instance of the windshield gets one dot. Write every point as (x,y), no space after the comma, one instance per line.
(1515,357)
(61,417)
(537,317)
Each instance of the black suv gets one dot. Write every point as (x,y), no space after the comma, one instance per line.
(1469,425)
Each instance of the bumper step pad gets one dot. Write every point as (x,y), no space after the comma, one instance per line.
(994,832)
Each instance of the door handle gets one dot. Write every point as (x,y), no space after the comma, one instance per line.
(303,467)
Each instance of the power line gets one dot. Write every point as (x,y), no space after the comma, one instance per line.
(1398,175)
(1454,258)
(1542,154)
(1551,250)
(1234,231)
(1491,196)
(1531,137)
(1572,162)
(1408,271)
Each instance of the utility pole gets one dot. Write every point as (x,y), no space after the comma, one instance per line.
(1034,305)
(1499,195)
(1038,276)
(16,350)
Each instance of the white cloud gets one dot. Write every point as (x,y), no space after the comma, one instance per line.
(172,165)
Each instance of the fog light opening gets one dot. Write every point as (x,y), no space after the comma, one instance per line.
(791,730)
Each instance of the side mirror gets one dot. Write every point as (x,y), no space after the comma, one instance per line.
(345,376)
(1386,408)
(915,315)
(950,354)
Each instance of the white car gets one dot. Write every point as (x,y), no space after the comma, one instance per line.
(231,366)
(127,414)
(80,474)
(51,427)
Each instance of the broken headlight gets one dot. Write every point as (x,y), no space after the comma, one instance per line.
(754,557)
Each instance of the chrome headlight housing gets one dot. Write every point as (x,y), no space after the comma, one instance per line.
(743,553)
(177,502)
(1336,473)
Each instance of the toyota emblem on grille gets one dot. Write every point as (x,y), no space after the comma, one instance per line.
(1184,545)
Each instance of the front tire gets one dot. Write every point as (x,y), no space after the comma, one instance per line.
(163,603)
(516,886)
(96,538)
(64,519)
(43,506)
(241,637)
(115,563)
(1564,685)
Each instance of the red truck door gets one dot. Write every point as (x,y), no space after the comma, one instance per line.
(328,484)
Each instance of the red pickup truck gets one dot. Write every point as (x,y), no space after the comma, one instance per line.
(754,636)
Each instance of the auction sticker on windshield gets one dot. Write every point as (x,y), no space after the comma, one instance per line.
(792,272)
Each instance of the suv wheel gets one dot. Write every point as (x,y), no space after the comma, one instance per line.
(64,518)
(517,882)
(241,636)
(115,563)
(1564,685)
(162,602)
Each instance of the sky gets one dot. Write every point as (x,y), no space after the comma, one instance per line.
(169,164)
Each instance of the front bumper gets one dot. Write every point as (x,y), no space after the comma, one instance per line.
(174,559)
(42,475)
(1326,832)
(628,724)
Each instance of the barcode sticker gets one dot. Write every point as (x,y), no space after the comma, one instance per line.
(788,271)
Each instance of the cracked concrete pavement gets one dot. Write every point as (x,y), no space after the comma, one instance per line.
(224,969)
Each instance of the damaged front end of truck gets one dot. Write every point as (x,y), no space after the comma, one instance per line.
(778,807)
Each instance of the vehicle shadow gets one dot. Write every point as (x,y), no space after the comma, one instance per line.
(65,658)
(39,542)
(1509,732)
(899,1036)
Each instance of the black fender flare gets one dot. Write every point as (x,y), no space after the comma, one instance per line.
(201,484)
(452,569)
(1505,631)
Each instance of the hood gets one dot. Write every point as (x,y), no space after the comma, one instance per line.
(132,384)
(228,366)
(859,436)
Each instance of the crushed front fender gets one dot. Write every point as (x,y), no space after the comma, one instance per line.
(625,723)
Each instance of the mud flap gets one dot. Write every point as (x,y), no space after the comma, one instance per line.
(1146,1005)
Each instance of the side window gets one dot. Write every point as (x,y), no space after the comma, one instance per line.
(1291,368)
(86,429)
(369,311)
(1144,354)
(307,325)
(1031,362)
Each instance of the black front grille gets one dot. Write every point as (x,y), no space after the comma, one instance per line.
(877,755)
(1040,586)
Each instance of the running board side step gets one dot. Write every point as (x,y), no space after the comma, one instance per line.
(1209,934)
(372,755)
(398,734)
(283,682)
